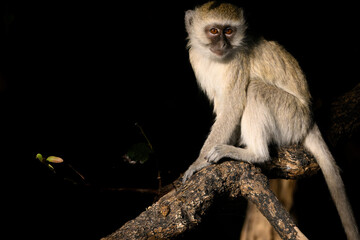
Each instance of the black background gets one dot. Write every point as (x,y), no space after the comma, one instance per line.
(76,77)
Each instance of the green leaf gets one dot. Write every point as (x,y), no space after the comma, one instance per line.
(51,168)
(54,159)
(139,152)
(40,157)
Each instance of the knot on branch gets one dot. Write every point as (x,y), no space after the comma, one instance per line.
(290,162)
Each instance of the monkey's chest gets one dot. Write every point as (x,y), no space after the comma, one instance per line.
(211,78)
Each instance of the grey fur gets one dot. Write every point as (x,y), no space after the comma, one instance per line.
(260,96)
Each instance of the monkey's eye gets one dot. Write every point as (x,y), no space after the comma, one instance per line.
(214,31)
(228,31)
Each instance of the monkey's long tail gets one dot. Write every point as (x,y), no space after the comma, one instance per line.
(317,146)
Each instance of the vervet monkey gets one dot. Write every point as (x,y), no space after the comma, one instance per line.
(260,96)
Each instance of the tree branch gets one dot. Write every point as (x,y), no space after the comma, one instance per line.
(290,162)
(184,208)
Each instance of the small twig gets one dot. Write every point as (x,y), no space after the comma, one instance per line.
(157,161)
(144,135)
(137,190)
(76,171)
(159,181)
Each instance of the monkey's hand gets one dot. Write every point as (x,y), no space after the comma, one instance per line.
(199,164)
(214,155)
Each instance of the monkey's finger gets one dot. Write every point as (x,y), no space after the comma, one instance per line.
(187,175)
(212,156)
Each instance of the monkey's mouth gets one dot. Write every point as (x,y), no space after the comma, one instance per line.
(219,52)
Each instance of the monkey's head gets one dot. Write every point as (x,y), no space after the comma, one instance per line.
(216,29)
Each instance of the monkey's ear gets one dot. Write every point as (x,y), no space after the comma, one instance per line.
(189,15)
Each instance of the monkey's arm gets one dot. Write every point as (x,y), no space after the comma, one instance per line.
(229,113)
(220,133)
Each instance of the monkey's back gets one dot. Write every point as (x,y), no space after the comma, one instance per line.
(270,62)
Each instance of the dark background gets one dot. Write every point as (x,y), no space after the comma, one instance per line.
(76,77)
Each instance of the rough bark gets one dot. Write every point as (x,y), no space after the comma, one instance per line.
(290,162)
(183,208)
(256,226)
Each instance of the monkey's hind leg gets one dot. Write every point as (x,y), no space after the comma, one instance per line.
(254,136)
(258,126)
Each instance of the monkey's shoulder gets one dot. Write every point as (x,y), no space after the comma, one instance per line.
(272,60)
(265,49)
(271,63)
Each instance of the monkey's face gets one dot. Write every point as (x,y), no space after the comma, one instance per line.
(221,38)
(216,36)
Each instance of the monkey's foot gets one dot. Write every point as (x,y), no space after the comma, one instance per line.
(195,167)
(220,151)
